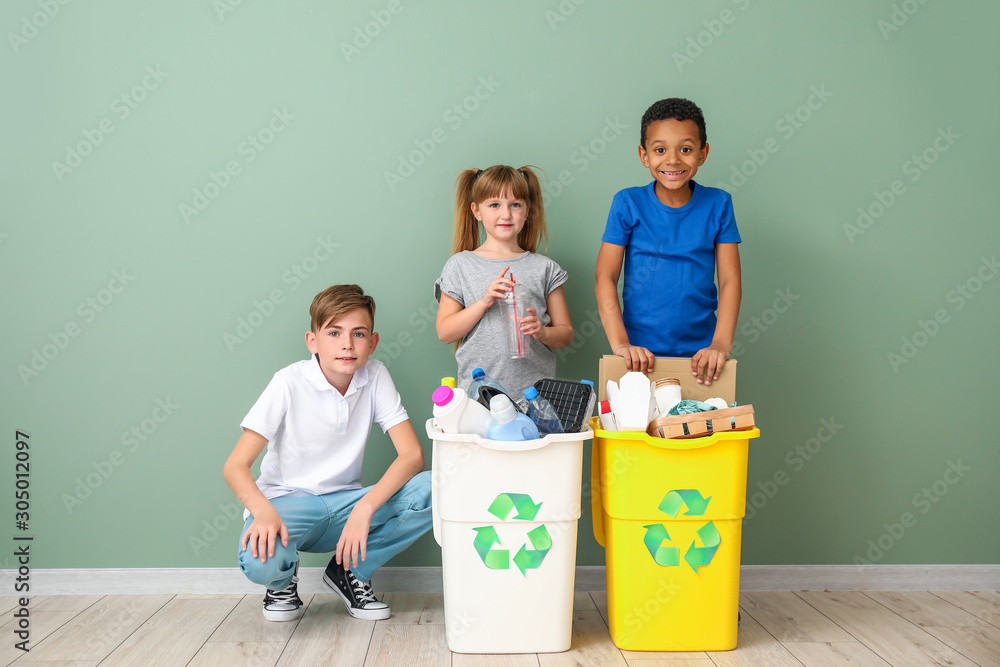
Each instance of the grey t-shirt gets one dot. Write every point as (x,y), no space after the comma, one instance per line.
(465,278)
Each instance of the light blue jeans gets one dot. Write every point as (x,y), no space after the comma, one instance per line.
(315,522)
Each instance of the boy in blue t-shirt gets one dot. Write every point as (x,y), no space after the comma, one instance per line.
(672,236)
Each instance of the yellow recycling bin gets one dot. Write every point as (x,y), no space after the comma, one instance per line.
(669,514)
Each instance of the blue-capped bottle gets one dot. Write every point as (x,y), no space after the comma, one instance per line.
(542,413)
(481,379)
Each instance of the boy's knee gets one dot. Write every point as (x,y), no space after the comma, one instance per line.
(421,488)
(264,574)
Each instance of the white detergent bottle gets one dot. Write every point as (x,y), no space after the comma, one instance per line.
(455,413)
(508,423)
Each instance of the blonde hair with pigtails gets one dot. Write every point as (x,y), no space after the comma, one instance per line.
(478,185)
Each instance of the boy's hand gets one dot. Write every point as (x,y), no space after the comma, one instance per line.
(354,538)
(636,358)
(261,535)
(498,289)
(708,363)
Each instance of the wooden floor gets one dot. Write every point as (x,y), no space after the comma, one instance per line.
(805,628)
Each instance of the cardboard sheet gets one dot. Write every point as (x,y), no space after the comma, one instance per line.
(613,368)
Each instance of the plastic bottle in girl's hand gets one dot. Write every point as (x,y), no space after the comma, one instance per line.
(542,413)
(508,423)
(455,413)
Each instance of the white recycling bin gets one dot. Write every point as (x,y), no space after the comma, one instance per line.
(505,515)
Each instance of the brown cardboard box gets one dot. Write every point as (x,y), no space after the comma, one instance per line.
(613,368)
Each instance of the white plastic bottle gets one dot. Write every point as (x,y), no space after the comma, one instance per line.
(508,423)
(455,413)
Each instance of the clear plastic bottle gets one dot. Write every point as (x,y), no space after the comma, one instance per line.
(481,379)
(542,413)
(591,403)
(508,423)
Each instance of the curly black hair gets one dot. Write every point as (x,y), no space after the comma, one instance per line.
(673,108)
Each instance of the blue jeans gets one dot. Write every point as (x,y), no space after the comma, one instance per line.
(314,525)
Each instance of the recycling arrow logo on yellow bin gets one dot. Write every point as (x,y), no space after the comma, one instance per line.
(656,533)
(486,536)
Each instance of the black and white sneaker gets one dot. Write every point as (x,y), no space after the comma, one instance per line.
(284,605)
(357,595)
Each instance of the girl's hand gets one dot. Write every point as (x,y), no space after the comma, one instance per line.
(262,534)
(708,363)
(498,289)
(531,325)
(636,358)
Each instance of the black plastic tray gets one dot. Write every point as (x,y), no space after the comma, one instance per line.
(570,398)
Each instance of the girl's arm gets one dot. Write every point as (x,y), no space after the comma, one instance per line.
(559,332)
(707,364)
(454,321)
(609,267)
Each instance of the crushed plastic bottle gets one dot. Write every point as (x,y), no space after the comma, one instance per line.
(542,413)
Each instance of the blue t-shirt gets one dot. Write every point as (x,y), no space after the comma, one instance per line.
(669,295)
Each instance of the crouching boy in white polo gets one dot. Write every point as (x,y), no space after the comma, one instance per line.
(314,418)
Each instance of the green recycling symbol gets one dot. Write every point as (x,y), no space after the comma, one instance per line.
(656,533)
(486,536)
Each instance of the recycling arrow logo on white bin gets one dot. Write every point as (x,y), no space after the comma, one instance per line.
(486,536)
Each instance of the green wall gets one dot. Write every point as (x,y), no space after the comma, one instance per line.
(125,288)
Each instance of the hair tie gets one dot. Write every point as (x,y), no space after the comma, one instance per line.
(479,173)
(524,174)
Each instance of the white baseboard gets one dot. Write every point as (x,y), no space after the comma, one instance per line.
(229,580)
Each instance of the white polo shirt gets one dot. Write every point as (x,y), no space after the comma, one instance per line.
(317,437)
